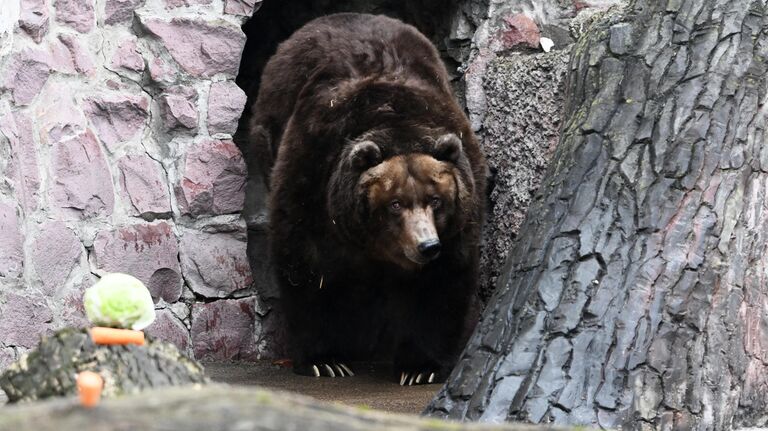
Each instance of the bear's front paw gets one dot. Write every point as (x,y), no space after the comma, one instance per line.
(324,369)
(423,377)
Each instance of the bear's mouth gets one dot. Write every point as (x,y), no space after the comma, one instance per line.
(415,257)
(426,252)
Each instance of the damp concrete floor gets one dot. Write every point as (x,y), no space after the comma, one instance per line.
(370,387)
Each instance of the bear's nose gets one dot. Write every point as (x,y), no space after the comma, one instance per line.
(430,248)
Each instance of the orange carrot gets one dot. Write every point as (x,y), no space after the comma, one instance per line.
(102,335)
(89,385)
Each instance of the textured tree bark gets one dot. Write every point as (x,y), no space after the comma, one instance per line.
(51,369)
(637,293)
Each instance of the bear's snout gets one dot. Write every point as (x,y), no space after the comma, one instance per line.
(430,249)
(423,244)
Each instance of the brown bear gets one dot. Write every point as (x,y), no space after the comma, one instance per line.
(375,197)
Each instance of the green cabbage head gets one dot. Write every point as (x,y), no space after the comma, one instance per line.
(119,301)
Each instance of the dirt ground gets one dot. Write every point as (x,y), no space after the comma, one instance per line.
(370,387)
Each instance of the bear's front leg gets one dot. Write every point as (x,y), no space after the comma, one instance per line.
(432,336)
(315,330)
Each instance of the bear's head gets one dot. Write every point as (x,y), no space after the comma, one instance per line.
(405,207)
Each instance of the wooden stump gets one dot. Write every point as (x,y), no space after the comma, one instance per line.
(50,369)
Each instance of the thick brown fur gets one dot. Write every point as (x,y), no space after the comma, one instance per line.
(347,289)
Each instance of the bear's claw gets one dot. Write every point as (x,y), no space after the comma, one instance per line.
(331,369)
(415,378)
(347,369)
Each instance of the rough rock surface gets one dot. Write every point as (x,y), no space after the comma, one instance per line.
(24,319)
(213,179)
(179,3)
(24,168)
(225,104)
(178,109)
(105,102)
(11,243)
(513,95)
(50,369)
(70,312)
(24,74)
(82,183)
(520,132)
(215,265)
(78,14)
(127,57)
(168,327)
(34,19)
(241,7)
(120,11)
(7,356)
(161,72)
(201,48)
(149,252)
(80,57)
(226,330)
(520,31)
(54,254)
(143,186)
(117,118)
(60,58)
(513,26)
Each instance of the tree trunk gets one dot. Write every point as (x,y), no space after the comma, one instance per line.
(50,370)
(221,408)
(636,295)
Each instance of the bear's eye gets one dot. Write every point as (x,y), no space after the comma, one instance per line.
(395,206)
(435,202)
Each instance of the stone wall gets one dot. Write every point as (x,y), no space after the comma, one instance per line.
(116,154)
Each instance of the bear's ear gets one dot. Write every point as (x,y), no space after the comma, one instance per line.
(448,148)
(364,155)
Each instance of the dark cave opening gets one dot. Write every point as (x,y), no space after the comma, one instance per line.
(445,22)
(275,21)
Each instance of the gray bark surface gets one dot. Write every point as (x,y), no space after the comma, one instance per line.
(220,408)
(636,293)
(51,369)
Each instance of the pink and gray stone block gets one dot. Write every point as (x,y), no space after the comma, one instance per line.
(116,124)
(226,329)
